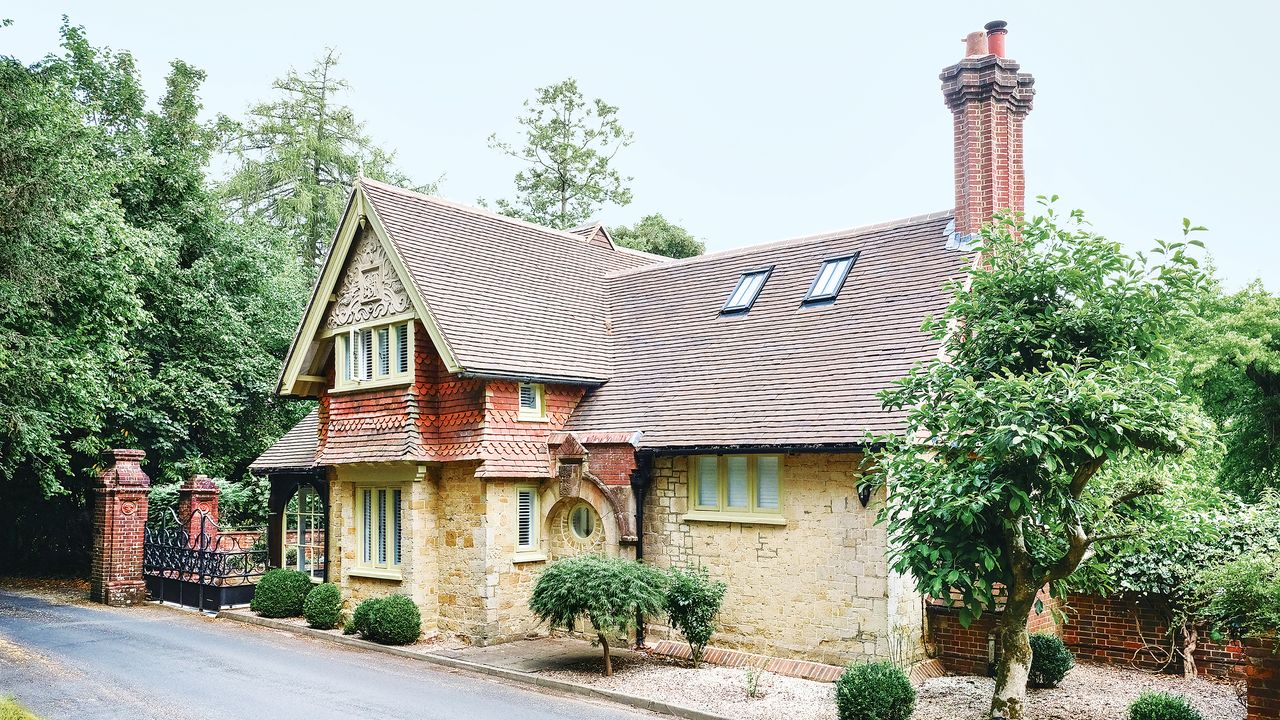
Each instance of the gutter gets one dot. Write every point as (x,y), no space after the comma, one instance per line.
(524,377)
(763,447)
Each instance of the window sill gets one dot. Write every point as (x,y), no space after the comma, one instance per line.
(377,573)
(528,557)
(372,385)
(532,418)
(724,517)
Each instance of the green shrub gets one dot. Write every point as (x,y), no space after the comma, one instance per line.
(281,593)
(1158,706)
(323,607)
(391,620)
(874,691)
(1241,598)
(693,601)
(1050,660)
(608,592)
(11,710)
(359,621)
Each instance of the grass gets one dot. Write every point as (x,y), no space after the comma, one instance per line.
(11,710)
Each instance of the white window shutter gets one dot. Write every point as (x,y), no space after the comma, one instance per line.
(402,348)
(525,519)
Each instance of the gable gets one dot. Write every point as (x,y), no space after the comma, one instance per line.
(362,281)
(370,288)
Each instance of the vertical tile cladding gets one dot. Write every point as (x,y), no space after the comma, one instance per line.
(436,417)
(515,448)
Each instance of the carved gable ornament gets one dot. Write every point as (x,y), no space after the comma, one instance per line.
(369,288)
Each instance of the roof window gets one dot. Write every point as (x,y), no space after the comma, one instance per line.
(831,277)
(746,291)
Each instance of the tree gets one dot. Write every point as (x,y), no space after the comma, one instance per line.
(653,234)
(133,312)
(1233,353)
(569,148)
(296,157)
(609,592)
(1053,363)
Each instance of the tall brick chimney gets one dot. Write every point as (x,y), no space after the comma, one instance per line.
(989,99)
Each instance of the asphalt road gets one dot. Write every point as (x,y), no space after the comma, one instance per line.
(85,662)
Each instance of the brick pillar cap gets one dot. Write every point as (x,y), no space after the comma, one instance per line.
(127,455)
(199,482)
(124,469)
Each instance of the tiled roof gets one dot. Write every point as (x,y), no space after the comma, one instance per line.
(781,374)
(296,450)
(511,298)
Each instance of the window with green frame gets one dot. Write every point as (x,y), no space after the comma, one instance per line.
(378,528)
(738,484)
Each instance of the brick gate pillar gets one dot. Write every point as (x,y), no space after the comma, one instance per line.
(119,520)
(199,493)
(1262,675)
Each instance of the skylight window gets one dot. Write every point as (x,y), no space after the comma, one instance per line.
(746,291)
(831,277)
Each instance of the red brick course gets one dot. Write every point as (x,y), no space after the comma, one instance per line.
(119,521)
(1262,673)
(196,497)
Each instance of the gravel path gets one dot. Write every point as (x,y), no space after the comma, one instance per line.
(1090,692)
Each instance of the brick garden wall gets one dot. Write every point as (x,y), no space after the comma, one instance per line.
(1121,630)
(1262,669)
(965,650)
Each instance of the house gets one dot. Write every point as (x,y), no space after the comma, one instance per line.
(493,395)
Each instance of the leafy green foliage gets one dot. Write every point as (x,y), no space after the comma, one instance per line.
(1159,706)
(132,312)
(569,146)
(1054,363)
(359,620)
(874,691)
(654,234)
(1233,358)
(323,606)
(297,155)
(1241,598)
(1050,660)
(390,620)
(693,601)
(608,592)
(11,710)
(281,593)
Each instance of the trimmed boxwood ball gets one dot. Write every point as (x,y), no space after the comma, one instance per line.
(874,691)
(359,622)
(281,593)
(1050,660)
(392,620)
(1159,706)
(323,607)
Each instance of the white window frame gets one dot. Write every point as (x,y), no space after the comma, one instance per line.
(379,538)
(347,365)
(536,414)
(720,511)
(532,550)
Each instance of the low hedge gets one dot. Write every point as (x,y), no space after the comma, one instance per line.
(874,691)
(281,593)
(1159,706)
(323,607)
(390,620)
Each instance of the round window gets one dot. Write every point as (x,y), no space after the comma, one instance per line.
(582,521)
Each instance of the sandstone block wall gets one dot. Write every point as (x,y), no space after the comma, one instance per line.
(817,588)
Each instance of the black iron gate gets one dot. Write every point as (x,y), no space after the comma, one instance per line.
(191,563)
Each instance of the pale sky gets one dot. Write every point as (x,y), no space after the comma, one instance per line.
(756,123)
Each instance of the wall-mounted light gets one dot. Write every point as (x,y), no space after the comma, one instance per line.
(864,493)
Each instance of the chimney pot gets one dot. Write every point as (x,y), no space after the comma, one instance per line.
(996,30)
(975,44)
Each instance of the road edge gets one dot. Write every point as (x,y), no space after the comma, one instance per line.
(634,701)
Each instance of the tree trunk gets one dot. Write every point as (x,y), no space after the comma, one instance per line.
(608,664)
(1191,638)
(1009,700)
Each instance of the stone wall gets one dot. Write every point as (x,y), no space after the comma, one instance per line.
(817,588)
(420,537)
